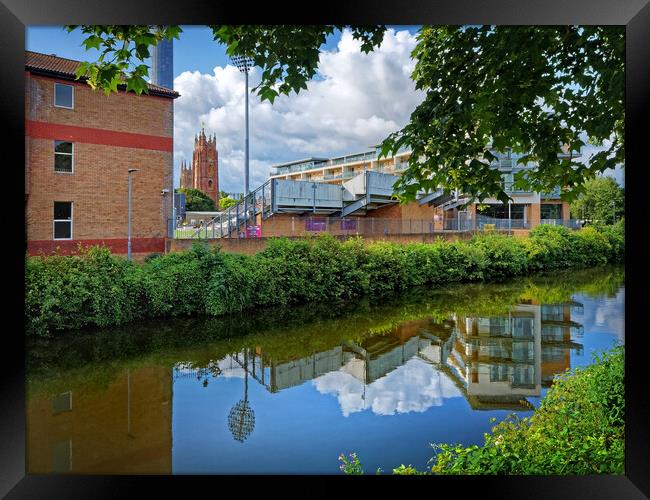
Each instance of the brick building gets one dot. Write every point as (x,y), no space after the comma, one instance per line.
(79,145)
(203,174)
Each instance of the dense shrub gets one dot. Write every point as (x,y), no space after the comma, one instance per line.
(503,256)
(230,286)
(593,248)
(64,292)
(551,247)
(96,288)
(615,235)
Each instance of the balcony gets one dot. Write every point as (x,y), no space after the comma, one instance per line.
(509,187)
(552,195)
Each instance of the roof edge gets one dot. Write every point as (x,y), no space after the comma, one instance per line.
(168,93)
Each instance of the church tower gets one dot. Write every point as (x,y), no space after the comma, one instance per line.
(186,175)
(203,174)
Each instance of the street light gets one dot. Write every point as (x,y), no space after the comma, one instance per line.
(131,170)
(509,217)
(244,64)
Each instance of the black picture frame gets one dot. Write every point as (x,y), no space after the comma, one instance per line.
(634,14)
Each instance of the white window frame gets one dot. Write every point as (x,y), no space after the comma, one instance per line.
(71,221)
(54,96)
(71,157)
(69,395)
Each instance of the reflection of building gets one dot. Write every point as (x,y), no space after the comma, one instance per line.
(496,362)
(123,429)
(367,361)
(501,360)
(557,329)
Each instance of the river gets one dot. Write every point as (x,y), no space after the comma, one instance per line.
(289,390)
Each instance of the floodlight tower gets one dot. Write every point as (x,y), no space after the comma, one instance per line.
(244,64)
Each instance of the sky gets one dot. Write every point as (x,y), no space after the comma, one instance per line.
(355,101)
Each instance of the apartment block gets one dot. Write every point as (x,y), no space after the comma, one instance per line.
(447,211)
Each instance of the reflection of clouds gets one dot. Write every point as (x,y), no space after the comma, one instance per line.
(413,387)
(605,314)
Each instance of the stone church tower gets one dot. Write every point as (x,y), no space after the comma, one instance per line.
(203,174)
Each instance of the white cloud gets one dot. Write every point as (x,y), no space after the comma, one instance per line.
(414,386)
(356,101)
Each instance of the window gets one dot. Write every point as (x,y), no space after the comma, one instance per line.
(62,220)
(62,402)
(551,211)
(63,96)
(63,156)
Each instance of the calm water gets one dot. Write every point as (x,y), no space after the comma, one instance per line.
(287,391)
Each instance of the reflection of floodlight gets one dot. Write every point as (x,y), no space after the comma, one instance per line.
(241,419)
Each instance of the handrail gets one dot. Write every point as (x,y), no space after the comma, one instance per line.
(237,213)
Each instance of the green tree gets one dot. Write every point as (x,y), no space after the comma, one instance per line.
(226,202)
(534,89)
(196,200)
(602,201)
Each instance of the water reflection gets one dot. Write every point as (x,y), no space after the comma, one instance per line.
(125,428)
(494,362)
(117,414)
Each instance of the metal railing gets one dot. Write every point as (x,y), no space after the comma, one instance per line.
(570,223)
(501,224)
(230,222)
(351,226)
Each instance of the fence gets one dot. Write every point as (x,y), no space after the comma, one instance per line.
(349,226)
(570,223)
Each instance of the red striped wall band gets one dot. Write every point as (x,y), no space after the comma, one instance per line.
(56,131)
(115,245)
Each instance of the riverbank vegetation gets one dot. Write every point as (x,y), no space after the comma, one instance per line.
(99,289)
(579,428)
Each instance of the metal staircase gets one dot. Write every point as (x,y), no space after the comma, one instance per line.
(438,197)
(366,191)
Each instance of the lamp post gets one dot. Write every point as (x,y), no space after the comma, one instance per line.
(131,170)
(509,217)
(244,64)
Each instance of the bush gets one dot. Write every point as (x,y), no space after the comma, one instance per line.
(230,287)
(96,288)
(66,292)
(615,235)
(553,247)
(593,248)
(174,285)
(504,256)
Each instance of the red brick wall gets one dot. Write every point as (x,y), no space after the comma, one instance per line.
(110,134)
(124,112)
